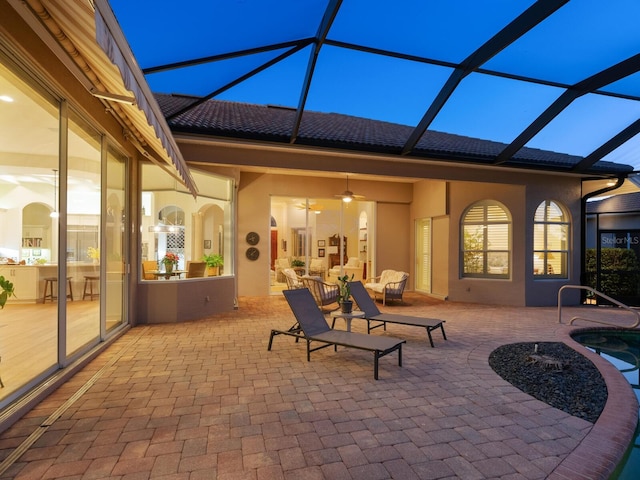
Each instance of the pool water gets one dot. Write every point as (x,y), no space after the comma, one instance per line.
(622,349)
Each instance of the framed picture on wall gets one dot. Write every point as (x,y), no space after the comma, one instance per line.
(321,243)
(207,244)
(321,252)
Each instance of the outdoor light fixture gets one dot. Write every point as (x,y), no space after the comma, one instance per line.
(55,213)
(114,97)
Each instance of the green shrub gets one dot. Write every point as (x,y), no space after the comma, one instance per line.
(619,272)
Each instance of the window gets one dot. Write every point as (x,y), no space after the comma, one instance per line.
(486,241)
(173,222)
(550,241)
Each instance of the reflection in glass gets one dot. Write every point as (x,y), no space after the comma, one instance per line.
(83,234)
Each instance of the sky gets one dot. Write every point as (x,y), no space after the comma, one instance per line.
(578,40)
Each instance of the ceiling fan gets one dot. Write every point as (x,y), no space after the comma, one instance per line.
(347,196)
(312,208)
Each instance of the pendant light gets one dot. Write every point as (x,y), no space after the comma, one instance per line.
(55,213)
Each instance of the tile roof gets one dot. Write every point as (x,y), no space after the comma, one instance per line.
(628,202)
(333,130)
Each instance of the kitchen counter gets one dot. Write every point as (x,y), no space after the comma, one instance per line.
(28,280)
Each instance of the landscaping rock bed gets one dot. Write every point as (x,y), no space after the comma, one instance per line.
(576,388)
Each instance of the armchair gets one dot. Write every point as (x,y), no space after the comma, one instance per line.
(280,264)
(353,267)
(323,293)
(293,280)
(389,285)
(316,268)
(147,267)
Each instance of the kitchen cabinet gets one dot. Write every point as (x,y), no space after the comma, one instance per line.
(25,282)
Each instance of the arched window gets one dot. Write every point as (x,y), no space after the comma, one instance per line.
(486,240)
(550,240)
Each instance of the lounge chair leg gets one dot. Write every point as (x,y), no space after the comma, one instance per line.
(376,356)
(271,340)
(400,355)
(430,338)
(442,328)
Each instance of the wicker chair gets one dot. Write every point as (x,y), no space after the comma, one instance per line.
(323,293)
(293,280)
(389,285)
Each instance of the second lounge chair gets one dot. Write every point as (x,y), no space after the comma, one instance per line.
(371,313)
(314,328)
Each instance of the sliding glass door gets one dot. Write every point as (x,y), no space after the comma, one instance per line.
(318,236)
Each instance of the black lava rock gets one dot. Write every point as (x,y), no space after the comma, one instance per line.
(576,388)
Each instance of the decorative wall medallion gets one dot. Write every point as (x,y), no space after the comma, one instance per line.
(253,238)
(253,253)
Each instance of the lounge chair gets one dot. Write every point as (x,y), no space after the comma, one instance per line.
(371,313)
(312,326)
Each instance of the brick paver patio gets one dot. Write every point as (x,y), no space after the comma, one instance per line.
(206,400)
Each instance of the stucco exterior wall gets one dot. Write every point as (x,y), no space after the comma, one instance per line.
(393,238)
(253,214)
(431,200)
(567,191)
(481,290)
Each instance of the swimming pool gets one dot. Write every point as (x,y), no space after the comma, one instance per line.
(622,349)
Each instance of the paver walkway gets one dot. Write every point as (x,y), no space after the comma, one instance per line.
(206,400)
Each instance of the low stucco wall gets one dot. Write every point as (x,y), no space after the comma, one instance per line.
(181,300)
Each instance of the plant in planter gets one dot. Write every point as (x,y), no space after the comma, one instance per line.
(6,291)
(214,261)
(344,295)
(169,261)
(297,263)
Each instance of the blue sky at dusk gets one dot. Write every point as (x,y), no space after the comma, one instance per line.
(580,39)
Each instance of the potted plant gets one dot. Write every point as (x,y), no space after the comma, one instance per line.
(296,262)
(94,254)
(344,295)
(6,291)
(214,261)
(169,261)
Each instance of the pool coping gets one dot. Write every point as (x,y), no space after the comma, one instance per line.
(602,449)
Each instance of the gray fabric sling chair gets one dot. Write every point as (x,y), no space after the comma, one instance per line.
(371,313)
(313,327)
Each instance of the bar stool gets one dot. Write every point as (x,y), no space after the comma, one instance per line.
(50,285)
(88,285)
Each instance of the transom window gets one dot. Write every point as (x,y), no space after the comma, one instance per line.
(486,240)
(550,240)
